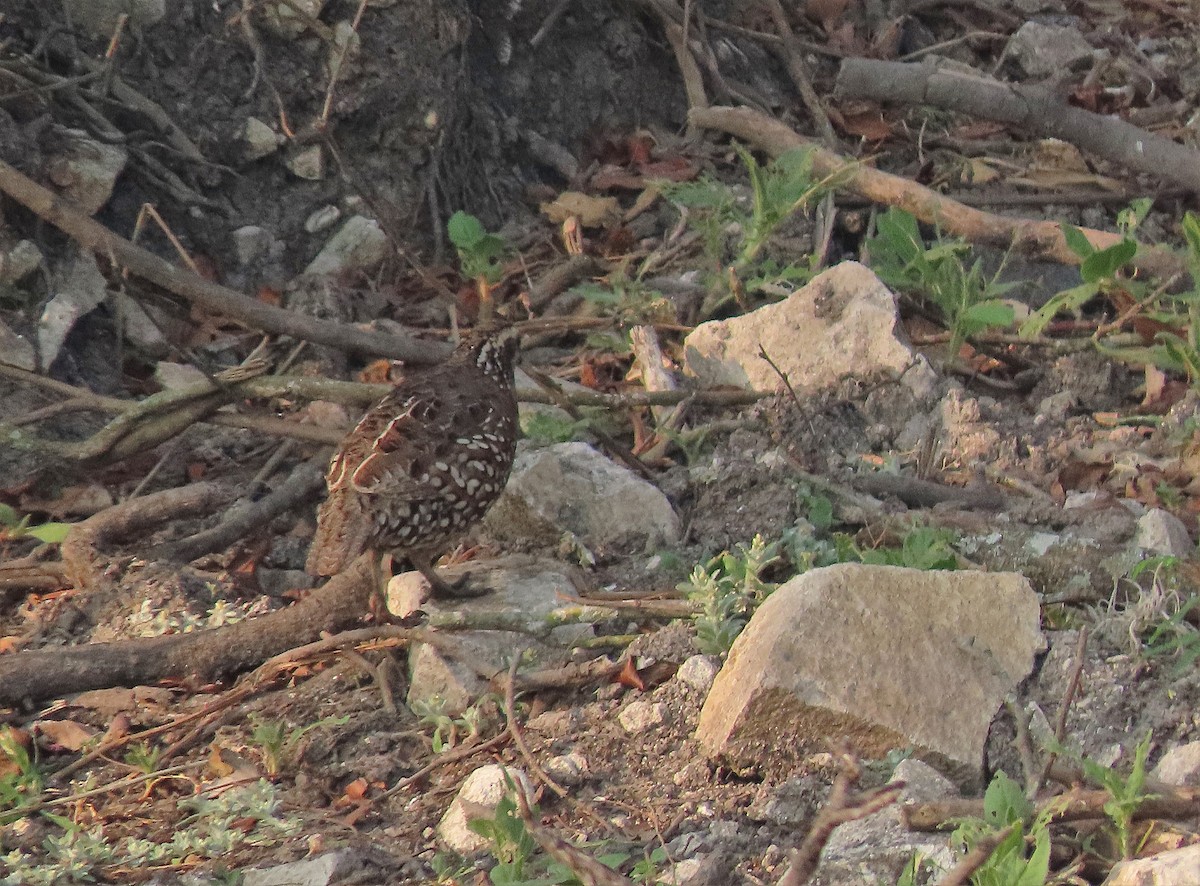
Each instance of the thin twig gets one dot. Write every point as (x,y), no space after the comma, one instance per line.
(1060,723)
(514,728)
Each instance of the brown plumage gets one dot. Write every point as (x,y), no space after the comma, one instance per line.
(426,462)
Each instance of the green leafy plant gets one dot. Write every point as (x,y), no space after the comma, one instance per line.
(480,253)
(519,859)
(736,230)
(922,547)
(23,784)
(143,756)
(728,589)
(627,299)
(448,729)
(545,428)
(1022,857)
(1126,792)
(968,300)
(214,827)
(1176,635)
(278,744)
(17,527)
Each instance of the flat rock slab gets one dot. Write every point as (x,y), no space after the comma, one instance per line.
(884,656)
(571,489)
(843,322)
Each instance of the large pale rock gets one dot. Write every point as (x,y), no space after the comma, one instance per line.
(571,489)
(843,322)
(884,656)
(1173,868)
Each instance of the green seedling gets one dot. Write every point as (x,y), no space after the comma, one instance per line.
(481,254)
(728,589)
(1022,858)
(17,527)
(969,301)
(277,744)
(736,230)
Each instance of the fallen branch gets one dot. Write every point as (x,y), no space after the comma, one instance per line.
(81,550)
(306,478)
(1033,238)
(840,806)
(209,296)
(1033,108)
(28,677)
(1167,802)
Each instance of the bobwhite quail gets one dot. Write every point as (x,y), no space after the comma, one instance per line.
(425,463)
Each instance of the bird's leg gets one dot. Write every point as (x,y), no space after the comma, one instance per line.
(439,587)
(381,573)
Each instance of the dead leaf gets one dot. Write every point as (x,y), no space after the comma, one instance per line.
(64,735)
(869,125)
(628,676)
(592,212)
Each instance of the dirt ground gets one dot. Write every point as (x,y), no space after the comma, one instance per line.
(495,109)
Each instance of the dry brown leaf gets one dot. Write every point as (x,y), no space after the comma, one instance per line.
(592,212)
(64,735)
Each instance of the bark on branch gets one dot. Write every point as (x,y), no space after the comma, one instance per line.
(1033,108)
(1034,238)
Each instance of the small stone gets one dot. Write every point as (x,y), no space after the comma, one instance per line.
(638,716)
(307,162)
(478,797)
(251,243)
(78,287)
(568,769)
(176,376)
(1044,50)
(1161,532)
(21,260)
(358,245)
(259,140)
(322,219)
(86,170)
(1180,766)
(698,672)
(16,350)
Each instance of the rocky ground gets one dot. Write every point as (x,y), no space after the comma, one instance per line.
(972,558)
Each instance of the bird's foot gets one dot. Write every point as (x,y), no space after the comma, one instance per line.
(460,588)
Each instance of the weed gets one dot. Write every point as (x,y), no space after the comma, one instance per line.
(736,233)
(546,428)
(278,744)
(22,783)
(969,301)
(1012,863)
(448,729)
(217,825)
(143,756)
(1177,635)
(17,527)
(729,588)
(1126,792)
(481,254)
(519,859)
(626,299)
(809,543)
